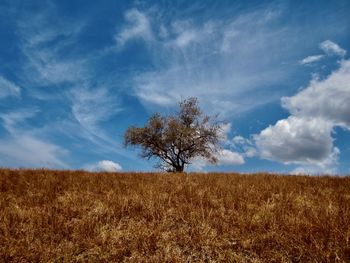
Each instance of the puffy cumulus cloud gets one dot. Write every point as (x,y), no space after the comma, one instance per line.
(224,131)
(311,59)
(296,140)
(104,166)
(325,168)
(109,166)
(331,48)
(327,99)
(224,156)
(305,137)
(138,26)
(244,146)
(227,157)
(7,88)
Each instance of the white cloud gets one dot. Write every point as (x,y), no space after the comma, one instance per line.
(244,146)
(198,164)
(296,140)
(186,34)
(326,168)
(12,120)
(47,67)
(239,140)
(28,151)
(224,156)
(44,41)
(305,137)
(104,166)
(185,38)
(327,99)
(209,61)
(138,27)
(331,48)
(92,106)
(227,157)
(7,88)
(224,130)
(23,148)
(311,59)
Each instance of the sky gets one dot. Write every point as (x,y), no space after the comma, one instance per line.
(75,74)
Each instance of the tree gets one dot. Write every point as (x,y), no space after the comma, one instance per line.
(175,140)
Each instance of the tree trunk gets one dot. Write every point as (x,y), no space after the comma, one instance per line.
(179,169)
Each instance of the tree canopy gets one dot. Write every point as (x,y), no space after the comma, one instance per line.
(176,140)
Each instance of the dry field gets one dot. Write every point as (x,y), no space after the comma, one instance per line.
(73,216)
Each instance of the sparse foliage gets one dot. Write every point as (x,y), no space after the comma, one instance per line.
(177,139)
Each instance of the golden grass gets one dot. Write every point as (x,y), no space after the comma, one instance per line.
(74,216)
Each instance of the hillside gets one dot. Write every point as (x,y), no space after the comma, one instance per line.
(74,216)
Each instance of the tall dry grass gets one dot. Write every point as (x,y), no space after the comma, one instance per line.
(73,216)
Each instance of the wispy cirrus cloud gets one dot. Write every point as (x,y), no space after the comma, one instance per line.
(28,151)
(8,88)
(22,148)
(91,106)
(311,59)
(80,69)
(14,121)
(54,70)
(214,59)
(222,63)
(44,42)
(329,47)
(138,26)
(332,48)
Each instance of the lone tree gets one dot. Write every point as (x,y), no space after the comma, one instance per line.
(175,140)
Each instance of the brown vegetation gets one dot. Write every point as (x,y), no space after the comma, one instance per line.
(73,216)
(176,140)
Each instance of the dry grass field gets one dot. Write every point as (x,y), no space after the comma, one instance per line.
(74,216)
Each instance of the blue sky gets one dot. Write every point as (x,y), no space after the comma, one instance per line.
(75,74)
